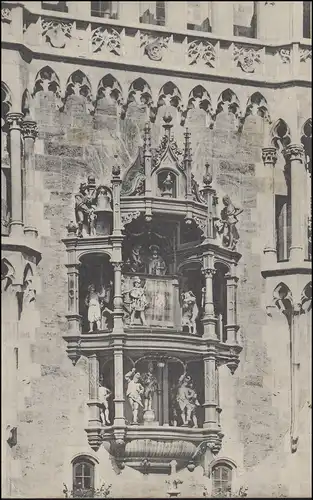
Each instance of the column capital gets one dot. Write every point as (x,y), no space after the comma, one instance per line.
(208,272)
(117,266)
(14,120)
(29,129)
(294,152)
(269,156)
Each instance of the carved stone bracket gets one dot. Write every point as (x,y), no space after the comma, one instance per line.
(200,223)
(129,217)
(269,155)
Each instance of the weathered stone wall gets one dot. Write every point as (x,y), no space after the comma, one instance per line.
(72,143)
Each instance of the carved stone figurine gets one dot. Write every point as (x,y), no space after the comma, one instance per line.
(156,263)
(104,395)
(138,302)
(135,263)
(93,302)
(167,186)
(150,386)
(187,400)
(85,200)
(227,224)
(134,392)
(190,311)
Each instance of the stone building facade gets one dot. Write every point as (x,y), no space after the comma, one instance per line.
(156,248)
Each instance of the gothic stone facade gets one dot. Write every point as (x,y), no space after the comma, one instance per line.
(156,246)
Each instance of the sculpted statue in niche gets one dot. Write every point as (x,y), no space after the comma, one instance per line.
(134,392)
(97,307)
(227,224)
(187,400)
(104,395)
(190,311)
(135,263)
(150,387)
(156,263)
(84,202)
(167,186)
(138,302)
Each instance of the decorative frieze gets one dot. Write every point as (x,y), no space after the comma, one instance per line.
(305,54)
(6,15)
(154,45)
(201,51)
(285,55)
(247,58)
(56,32)
(108,39)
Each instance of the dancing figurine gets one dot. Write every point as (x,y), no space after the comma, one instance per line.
(187,400)
(138,302)
(134,392)
(104,394)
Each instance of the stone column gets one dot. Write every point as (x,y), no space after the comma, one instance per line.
(165,396)
(129,12)
(269,157)
(294,370)
(119,418)
(209,320)
(210,402)
(73,316)
(294,153)
(116,187)
(14,122)
(147,158)
(30,133)
(118,299)
(94,412)
(297,20)
(231,327)
(222,18)
(267,26)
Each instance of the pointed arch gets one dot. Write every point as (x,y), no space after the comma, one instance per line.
(170,95)
(280,134)
(26,104)
(6,101)
(229,102)
(257,106)
(110,89)
(78,84)
(306,297)
(140,92)
(7,274)
(47,81)
(282,297)
(199,98)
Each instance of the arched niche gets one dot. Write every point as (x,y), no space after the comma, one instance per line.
(191,288)
(96,279)
(106,382)
(167,183)
(220,300)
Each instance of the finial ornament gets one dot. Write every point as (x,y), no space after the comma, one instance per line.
(208,177)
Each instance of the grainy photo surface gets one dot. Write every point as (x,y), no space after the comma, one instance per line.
(156,249)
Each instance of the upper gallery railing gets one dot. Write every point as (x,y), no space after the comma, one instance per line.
(117,41)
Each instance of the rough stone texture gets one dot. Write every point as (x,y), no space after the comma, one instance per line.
(72,144)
